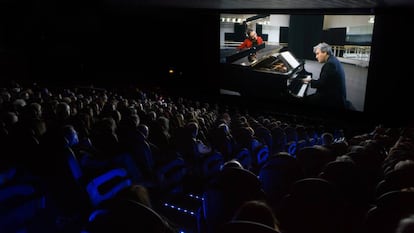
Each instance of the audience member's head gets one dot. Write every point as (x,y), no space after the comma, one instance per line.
(406,225)
(232,164)
(62,110)
(140,194)
(404,164)
(70,135)
(193,128)
(225,128)
(144,130)
(226,117)
(327,138)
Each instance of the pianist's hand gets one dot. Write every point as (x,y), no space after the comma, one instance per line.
(307,79)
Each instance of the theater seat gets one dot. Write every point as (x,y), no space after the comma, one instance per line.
(222,197)
(107,185)
(212,164)
(170,177)
(262,155)
(245,158)
(20,204)
(389,209)
(246,227)
(127,216)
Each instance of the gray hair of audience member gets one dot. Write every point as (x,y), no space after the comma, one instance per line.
(327,138)
(404,164)
(406,225)
(233,163)
(324,47)
(144,129)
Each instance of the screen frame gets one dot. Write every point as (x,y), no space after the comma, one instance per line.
(328,12)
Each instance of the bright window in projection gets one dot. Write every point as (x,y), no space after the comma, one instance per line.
(350,37)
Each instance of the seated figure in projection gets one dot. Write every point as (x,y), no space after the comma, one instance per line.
(252,40)
(330,87)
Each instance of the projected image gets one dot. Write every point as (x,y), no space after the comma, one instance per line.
(272,57)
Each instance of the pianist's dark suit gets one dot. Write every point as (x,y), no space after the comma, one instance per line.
(331,90)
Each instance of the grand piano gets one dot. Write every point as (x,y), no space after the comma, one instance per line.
(266,72)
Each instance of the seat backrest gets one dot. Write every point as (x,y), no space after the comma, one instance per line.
(389,209)
(301,144)
(279,140)
(222,141)
(395,180)
(245,158)
(265,136)
(73,163)
(125,160)
(262,155)
(291,148)
(231,188)
(7,174)
(243,138)
(245,227)
(277,176)
(312,159)
(212,164)
(127,216)
(20,203)
(171,176)
(107,185)
(143,157)
(312,205)
(291,134)
(345,176)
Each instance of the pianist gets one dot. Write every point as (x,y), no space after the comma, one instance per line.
(252,40)
(330,87)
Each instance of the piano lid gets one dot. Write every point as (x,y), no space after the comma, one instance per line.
(236,57)
(279,63)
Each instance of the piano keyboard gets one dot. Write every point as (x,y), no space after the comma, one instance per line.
(302,90)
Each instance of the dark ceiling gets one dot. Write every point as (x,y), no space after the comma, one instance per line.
(276,4)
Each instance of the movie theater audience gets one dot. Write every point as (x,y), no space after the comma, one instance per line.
(67,142)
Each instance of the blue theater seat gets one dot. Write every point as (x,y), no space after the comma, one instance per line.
(107,185)
(20,204)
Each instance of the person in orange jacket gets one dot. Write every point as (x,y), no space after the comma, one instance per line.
(251,41)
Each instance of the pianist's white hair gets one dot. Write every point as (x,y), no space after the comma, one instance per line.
(324,47)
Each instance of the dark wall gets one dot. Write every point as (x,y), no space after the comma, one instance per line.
(391,77)
(334,36)
(152,41)
(93,42)
(42,40)
(284,35)
(305,31)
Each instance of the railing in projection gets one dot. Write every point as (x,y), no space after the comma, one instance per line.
(353,54)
